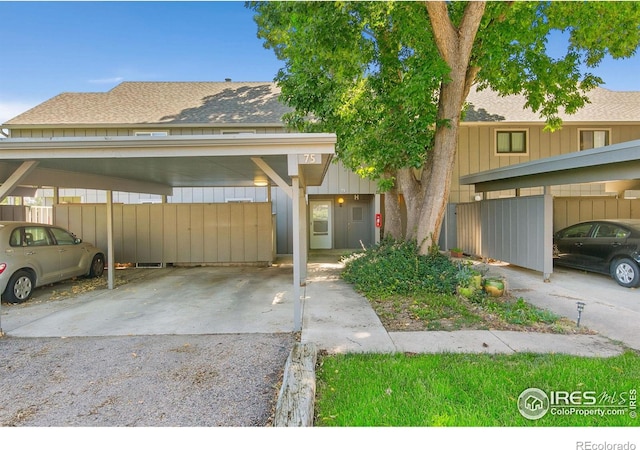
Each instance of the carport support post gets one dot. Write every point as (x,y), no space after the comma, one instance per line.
(297,257)
(110,258)
(547,252)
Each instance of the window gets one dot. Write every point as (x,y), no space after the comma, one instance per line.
(593,139)
(30,236)
(357,214)
(151,133)
(62,237)
(238,132)
(511,142)
(612,231)
(578,231)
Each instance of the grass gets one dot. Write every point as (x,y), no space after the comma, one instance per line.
(466,390)
(430,311)
(413,292)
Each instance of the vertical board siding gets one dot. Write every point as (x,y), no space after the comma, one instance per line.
(510,229)
(476,153)
(339,180)
(468,227)
(283,210)
(176,233)
(13,212)
(570,210)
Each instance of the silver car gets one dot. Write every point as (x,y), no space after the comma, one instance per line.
(33,254)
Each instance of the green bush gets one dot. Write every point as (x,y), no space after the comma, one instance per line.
(397,268)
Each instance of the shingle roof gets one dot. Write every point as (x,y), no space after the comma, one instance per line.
(605,106)
(201,103)
(163,103)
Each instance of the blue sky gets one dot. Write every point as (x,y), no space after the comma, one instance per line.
(54,47)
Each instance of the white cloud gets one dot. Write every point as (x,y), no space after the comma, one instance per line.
(9,110)
(107,80)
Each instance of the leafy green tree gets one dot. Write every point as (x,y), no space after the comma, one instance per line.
(391,79)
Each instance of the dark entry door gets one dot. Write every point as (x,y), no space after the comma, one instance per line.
(359,227)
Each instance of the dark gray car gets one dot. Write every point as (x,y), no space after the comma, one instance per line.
(610,247)
(33,254)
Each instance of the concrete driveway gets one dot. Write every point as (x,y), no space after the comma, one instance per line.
(610,309)
(230,300)
(176,300)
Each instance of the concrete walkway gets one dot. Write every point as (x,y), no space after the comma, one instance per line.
(338,320)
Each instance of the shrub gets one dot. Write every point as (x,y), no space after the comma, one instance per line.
(396,267)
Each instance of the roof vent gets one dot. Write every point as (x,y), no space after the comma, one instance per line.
(228,80)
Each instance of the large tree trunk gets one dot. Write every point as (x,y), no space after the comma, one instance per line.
(454,45)
(392,215)
(410,189)
(437,176)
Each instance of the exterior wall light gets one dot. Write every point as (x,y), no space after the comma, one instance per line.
(260,182)
(340,201)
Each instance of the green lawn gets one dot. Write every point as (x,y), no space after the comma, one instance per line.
(468,390)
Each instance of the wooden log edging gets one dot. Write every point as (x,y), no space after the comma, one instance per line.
(296,400)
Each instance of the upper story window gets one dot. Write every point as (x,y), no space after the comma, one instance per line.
(238,132)
(510,142)
(151,133)
(593,138)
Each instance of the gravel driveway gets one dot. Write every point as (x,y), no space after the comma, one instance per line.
(142,381)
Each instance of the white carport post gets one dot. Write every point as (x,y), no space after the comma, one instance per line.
(110,256)
(547,236)
(299,213)
(297,260)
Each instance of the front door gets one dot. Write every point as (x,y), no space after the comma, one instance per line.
(358,225)
(321,236)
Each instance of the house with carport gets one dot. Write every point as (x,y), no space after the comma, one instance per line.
(344,211)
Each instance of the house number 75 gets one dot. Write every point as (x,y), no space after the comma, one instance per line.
(310,158)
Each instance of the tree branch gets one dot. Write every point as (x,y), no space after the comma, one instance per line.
(444,33)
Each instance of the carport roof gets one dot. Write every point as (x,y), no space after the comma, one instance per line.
(610,163)
(157,164)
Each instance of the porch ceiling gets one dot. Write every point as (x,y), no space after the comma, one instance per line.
(158,164)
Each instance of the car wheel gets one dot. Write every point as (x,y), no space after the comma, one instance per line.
(97,267)
(625,272)
(20,287)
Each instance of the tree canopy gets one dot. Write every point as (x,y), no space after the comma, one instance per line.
(391,78)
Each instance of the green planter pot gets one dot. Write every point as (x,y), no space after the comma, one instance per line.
(466,291)
(476,281)
(494,287)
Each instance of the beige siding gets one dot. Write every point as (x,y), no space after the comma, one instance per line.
(177,233)
(90,132)
(476,153)
(567,211)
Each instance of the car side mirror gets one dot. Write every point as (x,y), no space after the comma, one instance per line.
(77,241)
